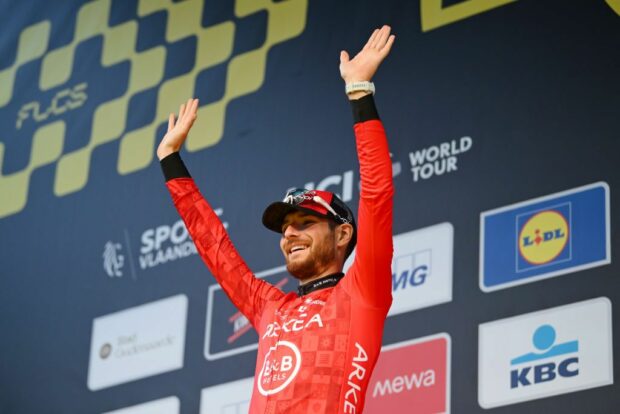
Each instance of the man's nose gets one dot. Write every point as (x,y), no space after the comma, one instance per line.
(291,231)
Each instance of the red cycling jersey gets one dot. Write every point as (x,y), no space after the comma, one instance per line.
(316,351)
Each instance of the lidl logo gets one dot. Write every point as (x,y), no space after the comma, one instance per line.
(544,353)
(545,237)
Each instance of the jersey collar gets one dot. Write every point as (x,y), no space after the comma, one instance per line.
(321,283)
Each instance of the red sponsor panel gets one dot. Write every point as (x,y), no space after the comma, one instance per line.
(411,377)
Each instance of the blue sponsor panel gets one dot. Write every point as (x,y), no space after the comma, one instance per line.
(545,237)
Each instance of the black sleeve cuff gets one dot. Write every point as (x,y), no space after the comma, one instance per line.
(364,109)
(173,167)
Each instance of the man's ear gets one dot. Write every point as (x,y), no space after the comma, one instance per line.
(344,232)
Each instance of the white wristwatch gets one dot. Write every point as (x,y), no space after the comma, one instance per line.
(359,86)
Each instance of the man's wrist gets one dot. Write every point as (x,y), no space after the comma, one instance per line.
(163,152)
(364,109)
(357,95)
(356,88)
(173,167)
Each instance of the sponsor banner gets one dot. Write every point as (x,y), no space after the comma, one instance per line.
(545,237)
(229,398)
(158,245)
(227,331)
(413,373)
(422,268)
(421,277)
(168,405)
(549,352)
(138,342)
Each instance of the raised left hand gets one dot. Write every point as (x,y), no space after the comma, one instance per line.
(364,65)
(178,129)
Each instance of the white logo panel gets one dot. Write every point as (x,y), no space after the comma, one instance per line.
(138,342)
(229,398)
(549,352)
(168,405)
(421,268)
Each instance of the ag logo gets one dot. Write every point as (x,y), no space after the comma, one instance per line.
(543,237)
(280,367)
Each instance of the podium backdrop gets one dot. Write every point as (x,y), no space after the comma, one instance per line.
(502,118)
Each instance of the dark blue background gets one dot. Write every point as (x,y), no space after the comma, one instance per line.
(535,84)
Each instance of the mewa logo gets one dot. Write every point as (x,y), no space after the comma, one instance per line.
(214,46)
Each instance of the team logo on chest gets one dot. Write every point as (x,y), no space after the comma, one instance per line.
(280,367)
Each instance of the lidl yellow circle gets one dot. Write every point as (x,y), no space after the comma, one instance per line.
(543,237)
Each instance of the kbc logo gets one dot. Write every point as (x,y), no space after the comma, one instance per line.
(564,363)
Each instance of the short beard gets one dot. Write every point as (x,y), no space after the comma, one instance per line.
(323,255)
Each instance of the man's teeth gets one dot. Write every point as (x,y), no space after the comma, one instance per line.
(297,248)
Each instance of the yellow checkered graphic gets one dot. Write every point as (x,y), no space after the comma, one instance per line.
(245,74)
(434,14)
(615,5)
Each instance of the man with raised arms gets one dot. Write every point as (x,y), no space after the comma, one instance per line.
(318,346)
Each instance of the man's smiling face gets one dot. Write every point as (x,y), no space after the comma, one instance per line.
(309,245)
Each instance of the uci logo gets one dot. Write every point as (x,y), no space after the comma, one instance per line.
(543,237)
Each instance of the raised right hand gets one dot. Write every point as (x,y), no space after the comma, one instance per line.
(177,131)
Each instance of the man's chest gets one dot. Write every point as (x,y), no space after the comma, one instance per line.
(324,313)
(304,340)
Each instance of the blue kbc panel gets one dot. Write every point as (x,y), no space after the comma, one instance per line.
(544,237)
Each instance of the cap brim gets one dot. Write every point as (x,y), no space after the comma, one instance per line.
(274,214)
